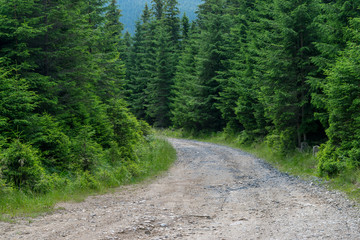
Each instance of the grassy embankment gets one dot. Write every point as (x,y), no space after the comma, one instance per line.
(155,157)
(296,163)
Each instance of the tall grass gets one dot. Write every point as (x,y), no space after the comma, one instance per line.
(154,157)
(301,164)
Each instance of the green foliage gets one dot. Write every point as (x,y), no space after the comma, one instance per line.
(62,90)
(153,60)
(132,9)
(134,169)
(213,25)
(332,25)
(159,86)
(87,153)
(342,92)
(5,189)
(282,142)
(330,161)
(85,180)
(196,84)
(127,130)
(114,154)
(238,101)
(285,64)
(141,64)
(21,166)
(16,103)
(154,157)
(185,105)
(278,72)
(45,134)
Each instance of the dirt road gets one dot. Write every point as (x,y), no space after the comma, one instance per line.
(212,192)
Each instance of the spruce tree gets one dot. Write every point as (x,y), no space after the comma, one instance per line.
(16,105)
(159,86)
(213,26)
(283,65)
(161,61)
(342,91)
(235,78)
(332,26)
(185,101)
(171,19)
(142,64)
(185,28)
(109,49)
(127,57)
(158,8)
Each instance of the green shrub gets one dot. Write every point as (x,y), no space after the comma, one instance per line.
(245,138)
(145,128)
(281,142)
(127,129)
(114,154)
(354,153)
(58,182)
(45,134)
(134,169)
(85,180)
(334,160)
(101,124)
(122,174)
(86,153)
(107,177)
(4,188)
(21,166)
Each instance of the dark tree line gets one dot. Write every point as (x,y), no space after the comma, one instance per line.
(284,72)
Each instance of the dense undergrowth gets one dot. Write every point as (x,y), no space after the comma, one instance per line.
(154,155)
(302,164)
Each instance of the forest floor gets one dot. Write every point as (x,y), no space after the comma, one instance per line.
(211,192)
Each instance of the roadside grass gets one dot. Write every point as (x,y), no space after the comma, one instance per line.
(154,158)
(301,164)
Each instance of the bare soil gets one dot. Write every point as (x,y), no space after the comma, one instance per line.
(212,192)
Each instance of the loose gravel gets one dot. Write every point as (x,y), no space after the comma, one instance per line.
(211,192)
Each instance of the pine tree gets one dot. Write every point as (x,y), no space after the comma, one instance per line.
(185,103)
(159,86)
(213,26)
(331,25)
(61,88)
(235,79)
(158,8)
(20,28)
(142,64)
(342,91)
(110,47)
(16,105)
(283,64)
(171,19)
(161,60)
(185,28)
(21,25)
(127,57)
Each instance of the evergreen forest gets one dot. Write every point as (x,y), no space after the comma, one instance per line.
(285,73)
(78,97)
(131,11)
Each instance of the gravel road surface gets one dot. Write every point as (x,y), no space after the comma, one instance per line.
(211,192)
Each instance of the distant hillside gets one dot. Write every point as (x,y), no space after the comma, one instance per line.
(132,9)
